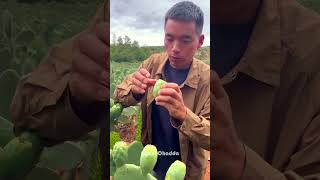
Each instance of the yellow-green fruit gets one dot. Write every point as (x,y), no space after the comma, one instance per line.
(176,171)
(157,87)
(148,158)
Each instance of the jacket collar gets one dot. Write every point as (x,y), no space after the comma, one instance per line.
(263,60)
(193,76)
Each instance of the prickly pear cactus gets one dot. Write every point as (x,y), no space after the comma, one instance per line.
(148,159)
(120,153)
(176,171)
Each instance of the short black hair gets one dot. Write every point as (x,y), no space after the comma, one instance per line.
(186,11)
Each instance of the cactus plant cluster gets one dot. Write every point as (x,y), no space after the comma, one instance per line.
(19,156)
(123,167)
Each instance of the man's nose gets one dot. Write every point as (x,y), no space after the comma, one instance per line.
(176,47)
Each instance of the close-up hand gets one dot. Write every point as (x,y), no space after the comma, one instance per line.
(141,81)
(170,97)
(228,153)
(89,80)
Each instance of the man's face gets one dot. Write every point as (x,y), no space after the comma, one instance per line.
(181,42)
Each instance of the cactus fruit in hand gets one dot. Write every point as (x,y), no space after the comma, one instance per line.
(176,171)
(157,87)
(148,159)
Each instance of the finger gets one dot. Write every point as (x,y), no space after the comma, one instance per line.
(138,90)
(216,86)
(171,85)
(169,92)
(86,90)
(87,67)
(163,104)
(138,83)
(94,48)
(102,32)
(151,82)
(144,72)
(166,99)
(140,77)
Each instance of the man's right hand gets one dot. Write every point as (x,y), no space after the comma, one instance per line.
(141,81)
(89,80)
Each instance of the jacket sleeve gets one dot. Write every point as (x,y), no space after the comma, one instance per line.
(123,93)
(196,126)
(42,101)
(304,162)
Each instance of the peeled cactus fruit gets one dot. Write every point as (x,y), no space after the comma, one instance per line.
(157,87)
(120,153)
(148,159)
(176,171)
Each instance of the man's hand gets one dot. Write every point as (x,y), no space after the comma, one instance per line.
(228,152)
(89,80)
(141,81)
(170,97)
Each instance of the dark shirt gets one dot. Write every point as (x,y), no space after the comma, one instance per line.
(164,136)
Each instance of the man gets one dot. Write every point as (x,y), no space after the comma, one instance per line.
(67,95)
(178,120)
(266,105)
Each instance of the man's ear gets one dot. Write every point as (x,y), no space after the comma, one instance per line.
(201,40)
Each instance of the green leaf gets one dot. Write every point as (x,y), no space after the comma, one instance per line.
(8,82)
(6,131)
(5,59)
(25,37)
(64,156)
(41,173)
(134,152)
(27,66)
(7,20)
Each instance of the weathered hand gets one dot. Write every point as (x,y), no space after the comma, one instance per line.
(89,81)
(141,81)
(170,97)
(228,152)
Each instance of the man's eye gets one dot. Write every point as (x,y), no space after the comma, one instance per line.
(169,39)
(186,40)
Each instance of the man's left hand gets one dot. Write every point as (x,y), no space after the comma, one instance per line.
(170,97)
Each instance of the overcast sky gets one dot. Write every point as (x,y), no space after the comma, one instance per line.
(142,20)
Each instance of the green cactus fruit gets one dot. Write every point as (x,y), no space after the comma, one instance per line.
(132,172)
(148,159)
(120,153)
(134,152)
(176,171)
(115,111)
(157,87)
(111,102)
(22,153)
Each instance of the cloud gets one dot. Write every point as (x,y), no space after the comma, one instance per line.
(146,18)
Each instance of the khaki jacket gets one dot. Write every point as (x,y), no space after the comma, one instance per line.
(274,94)
(194,132)
(41,102)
